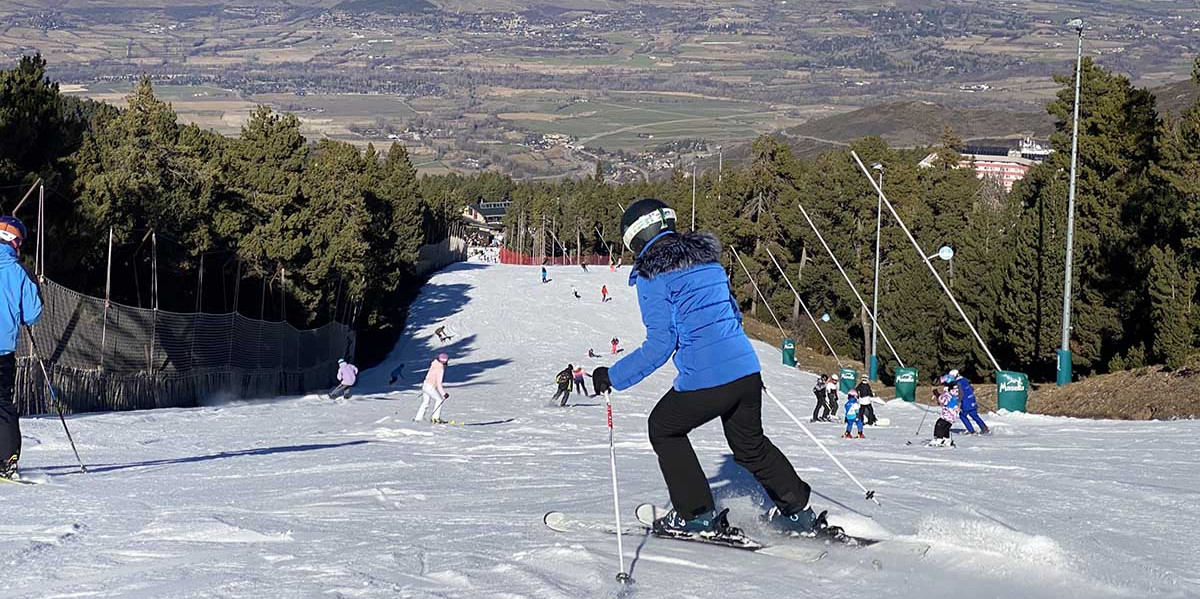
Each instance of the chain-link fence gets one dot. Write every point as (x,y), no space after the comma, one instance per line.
(124,358)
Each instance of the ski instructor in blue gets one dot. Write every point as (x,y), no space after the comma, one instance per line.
(689,313)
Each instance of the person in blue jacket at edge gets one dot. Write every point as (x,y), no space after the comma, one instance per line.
(689,312)
(970,408)
(20,305)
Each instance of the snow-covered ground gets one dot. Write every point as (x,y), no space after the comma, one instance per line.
(305,497)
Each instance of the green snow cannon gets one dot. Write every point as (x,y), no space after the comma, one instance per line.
(848,379)
(1012,390)
(789,352)
(906,384)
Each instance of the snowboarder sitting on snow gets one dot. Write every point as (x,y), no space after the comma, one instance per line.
(690,315)
(970,407)
(575,292)
(563,378)
(819,393)
(592,354)
(347,374)
(577,374)
(20,304)
(867,406)
(433,391)
(853,414)
(946,417)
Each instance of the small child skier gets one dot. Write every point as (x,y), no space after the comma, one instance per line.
(347,374)
(853,414)
(563,378)
(831,397)
(819,393)
(948,400)
(580,386)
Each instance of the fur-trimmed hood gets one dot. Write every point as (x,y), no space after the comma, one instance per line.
(677,252)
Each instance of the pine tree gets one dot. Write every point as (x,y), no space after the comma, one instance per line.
(1171,293)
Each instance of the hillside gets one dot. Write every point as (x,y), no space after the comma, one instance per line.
(1174,98)
(916,123)
(306,497)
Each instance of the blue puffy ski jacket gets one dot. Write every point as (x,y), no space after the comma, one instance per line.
(967,394)
(20,303)
(688,312)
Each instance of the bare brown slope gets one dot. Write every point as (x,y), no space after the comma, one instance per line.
(917,123)
(1141,394)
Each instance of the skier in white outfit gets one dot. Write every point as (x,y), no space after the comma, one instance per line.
(432,390)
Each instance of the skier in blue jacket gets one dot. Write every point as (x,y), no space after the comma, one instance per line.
(20,305)
(970,408)
(690,315)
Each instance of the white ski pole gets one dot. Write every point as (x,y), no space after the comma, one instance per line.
(870,494)
(622,575)
(919,426)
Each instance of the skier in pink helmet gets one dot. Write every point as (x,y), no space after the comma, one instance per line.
(432,390)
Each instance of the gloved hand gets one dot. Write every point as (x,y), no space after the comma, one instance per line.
(446,396)
(600,380)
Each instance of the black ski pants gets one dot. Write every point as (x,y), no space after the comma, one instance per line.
(580,387)
(941,429)
(565,392)
(10,428)
(821,408)
(868,413)
(739,406)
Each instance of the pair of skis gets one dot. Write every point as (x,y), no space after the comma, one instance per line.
(812,549)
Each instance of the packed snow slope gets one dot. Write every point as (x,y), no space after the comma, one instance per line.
(307,497)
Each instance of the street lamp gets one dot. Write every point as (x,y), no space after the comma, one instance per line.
(945,253)
(873,366)
(1064,353)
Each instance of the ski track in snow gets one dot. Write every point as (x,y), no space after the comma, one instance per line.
(306,497)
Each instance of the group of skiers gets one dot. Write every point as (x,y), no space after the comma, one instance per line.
(956,398)
(860,404)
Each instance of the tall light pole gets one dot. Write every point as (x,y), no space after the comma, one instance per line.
(1064,353)
(720,167)
(693,194)
(873,367)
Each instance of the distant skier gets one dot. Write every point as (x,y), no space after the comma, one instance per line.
(821,411)
(583,265)
(831,395)
(603,293)
(970,406)
(433,391)
(612,265)
(690,315)
(397,374)
(853,414)
(347,374)
(592,354)
(866,403)
(544,279)
(441,334)
(20,304)
(580,386)
(563,379)
(946,417)
(616,346)
(575,292)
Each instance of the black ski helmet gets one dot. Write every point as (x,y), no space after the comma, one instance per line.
(643,220)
